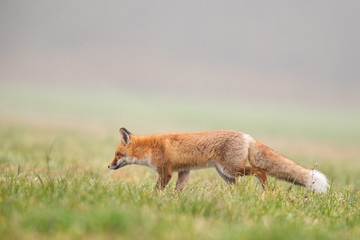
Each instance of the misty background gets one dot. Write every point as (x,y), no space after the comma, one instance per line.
(282,51)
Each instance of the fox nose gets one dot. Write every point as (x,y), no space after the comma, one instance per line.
(109,166)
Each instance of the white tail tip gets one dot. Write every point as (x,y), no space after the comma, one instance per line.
(317,182)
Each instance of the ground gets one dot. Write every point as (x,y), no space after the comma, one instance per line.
(54,183)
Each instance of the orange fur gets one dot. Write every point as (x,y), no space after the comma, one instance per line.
(227,151)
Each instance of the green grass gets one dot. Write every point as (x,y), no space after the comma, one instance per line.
(87,205)
(54,181)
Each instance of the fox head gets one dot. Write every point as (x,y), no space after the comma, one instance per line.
(121,158)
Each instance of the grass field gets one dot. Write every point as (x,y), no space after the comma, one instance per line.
(54,183)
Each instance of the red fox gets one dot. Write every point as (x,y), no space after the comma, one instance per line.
(227,151)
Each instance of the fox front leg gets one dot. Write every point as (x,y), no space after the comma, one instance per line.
(162,181)
(183,176)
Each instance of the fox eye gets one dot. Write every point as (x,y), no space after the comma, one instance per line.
(118,154)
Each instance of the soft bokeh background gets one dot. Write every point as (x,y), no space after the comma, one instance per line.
(305,52)
(285,72)
(73,72)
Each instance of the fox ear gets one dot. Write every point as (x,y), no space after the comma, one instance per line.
(125,136)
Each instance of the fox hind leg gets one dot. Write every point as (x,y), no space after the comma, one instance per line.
(257,172)
(225,177)
(261,175)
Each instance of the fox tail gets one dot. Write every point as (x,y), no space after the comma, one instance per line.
(284,168)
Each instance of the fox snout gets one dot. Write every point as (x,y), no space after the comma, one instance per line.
(114,164)
(113,167)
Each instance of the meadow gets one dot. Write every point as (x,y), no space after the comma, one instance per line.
(54,183)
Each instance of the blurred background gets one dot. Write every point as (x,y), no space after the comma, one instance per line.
(285,72)
(305,52)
